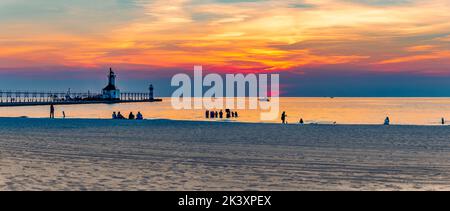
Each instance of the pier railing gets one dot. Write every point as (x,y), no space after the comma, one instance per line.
(17,98)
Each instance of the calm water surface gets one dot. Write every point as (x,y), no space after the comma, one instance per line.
(408,111)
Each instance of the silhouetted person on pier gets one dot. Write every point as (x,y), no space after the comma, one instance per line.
(211,114)
(232,114)
(387,121)
(283,117)
(302,122)
(207,114)
(236,114)
(52,111)
(216,114)
(131,116)
(228,113)
(64,114)
(139,116)
(221,114)
(114,115)
(443,121)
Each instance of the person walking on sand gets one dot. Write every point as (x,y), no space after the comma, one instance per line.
(221,114)
(114,115)
(139,116)
(283,117)
(52,111)
(387,121)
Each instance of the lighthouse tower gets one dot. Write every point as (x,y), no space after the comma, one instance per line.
(150,94)
(110,92)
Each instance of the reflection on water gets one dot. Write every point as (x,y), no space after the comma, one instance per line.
(410,111)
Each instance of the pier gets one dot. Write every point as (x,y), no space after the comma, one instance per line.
(110,95)
(26,98)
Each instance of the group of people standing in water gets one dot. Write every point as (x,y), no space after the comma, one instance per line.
(214,114)
(131,116)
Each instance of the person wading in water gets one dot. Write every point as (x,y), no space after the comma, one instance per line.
(283,117)
(52,111)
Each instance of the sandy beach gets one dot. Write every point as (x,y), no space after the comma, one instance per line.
(71,154)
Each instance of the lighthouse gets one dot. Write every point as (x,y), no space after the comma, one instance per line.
(110,92)
(150,93)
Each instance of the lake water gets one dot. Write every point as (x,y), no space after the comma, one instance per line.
(405,111)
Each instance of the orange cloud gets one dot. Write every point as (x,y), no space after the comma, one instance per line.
(420,48)
(416,58)
(235,35)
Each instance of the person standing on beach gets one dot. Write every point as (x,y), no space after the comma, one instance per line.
(283,117)
(221,114)
(443,121)
(64,114)
(52,111)
(216,114)
(236,114)
(207,114)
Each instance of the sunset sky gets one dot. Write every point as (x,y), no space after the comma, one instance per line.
(320,48)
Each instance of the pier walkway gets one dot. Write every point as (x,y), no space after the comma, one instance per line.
(25,98)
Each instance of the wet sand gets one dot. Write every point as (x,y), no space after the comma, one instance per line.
(43,154)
